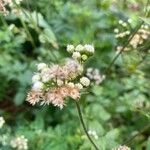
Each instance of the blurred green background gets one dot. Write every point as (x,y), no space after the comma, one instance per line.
(117,109)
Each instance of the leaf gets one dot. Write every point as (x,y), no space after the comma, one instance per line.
(146,20)
(19,98)
(48,36)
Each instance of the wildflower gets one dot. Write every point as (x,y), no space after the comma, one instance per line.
(2,121)
(53,84)
(129,20)
(93,134)
(20,143)
(124,147)
(37,86)
(36,78)
(120,22)
(76,55)
(89,48)
(124,24)
(59,82)
(94,74)
(85,81)
(79,86)
(41,66)
(79,48)
(70,84)
(116,30)
(70,48)
(34,97)
(127,32)
(10,3)
(2,7)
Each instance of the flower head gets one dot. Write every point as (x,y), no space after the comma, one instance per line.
(89,48)
(19,143)
(37,86)
(95,75)
(124,147)
(85,81)
(52,84)
(70,48)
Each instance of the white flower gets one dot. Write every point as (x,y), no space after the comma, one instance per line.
(76,55)
(37,86)
(124,24)
(124,147)
(93,133)
(129,20)
(89,48)
(79,86)
(70,84)
(2,121)
(116,30)
(120,22)
(85,81)
(41,66)
(60,82)
(20,143)
(79,48)
(70,48)
(146,26)
(35,78)
(127,32)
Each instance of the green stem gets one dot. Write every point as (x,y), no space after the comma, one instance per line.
(84,127)
(130,38)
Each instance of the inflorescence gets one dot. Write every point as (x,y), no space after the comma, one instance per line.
(52,84)
(8,3)
(122,147)
(123,32)
(19,143)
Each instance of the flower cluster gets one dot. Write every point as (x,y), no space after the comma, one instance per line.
(142,35)
(10,3)
(95,75)
(19,143)
(93,134)
(123,32)
(2,121)
(4,139)
(124,147)
(53,83)
(81,52)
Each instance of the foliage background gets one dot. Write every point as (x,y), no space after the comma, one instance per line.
(117,109)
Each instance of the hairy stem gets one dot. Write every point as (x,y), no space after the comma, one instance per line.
(84,127)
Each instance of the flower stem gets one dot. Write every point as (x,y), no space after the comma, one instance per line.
(84,127)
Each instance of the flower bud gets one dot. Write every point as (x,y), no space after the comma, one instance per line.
(89,48)
(70,84)
(70,48)
(35,78)
(59,82)
(79,48)
(41,66)
(84,57)
(37,86)
(79,86)
(76,55)
(85,81)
